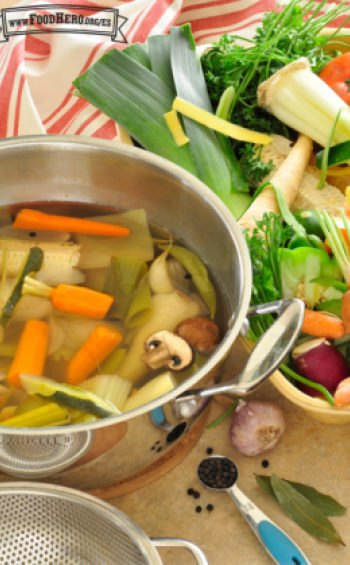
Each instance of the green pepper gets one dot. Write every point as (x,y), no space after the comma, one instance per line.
(299,240)
(299,267)
(309,220)
(330,306)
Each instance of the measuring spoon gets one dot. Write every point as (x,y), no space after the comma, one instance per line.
(278,545)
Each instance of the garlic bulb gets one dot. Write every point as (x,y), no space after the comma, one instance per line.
(257,427)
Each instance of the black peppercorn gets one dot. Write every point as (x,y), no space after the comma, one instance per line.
(198,509)
(217,472)
(196,495)
(210,507)
(190,491)
(209,450)
(265,463)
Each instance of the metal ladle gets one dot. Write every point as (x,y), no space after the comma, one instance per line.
(278,545)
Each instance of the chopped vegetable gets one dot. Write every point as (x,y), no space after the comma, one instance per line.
(217,124)
(287,179)
(123,278)
(67,395)
(35,220)
(175,127)
(100,250)
(342,394)
(304,102)
(167,311)
(100,344)
(49,415)
(165,349)
(319,361)
(159,275)
(111,363)
(109,388)
(140,305)
(318,324)
(32,264)
(156,388)
(336,75)
(31,353)
(71,299)
(56,255)
(199,273)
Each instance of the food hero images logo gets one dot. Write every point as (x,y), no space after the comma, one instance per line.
(55,18)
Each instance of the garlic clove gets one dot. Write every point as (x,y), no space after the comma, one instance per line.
(256,427)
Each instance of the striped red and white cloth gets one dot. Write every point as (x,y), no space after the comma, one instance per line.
(36,71)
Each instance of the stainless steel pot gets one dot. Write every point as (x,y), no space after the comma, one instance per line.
(51,170)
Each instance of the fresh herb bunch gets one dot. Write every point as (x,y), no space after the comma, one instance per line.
(264,243)
(252,166)
(285,35)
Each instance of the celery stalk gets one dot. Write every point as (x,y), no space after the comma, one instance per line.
(49,415)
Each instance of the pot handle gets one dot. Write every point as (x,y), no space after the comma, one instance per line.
(269,352)
(177,542)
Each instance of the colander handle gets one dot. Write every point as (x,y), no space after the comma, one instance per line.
(268,354)
(184,544)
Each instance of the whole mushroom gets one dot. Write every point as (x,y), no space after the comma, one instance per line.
(202,334)
(165,349)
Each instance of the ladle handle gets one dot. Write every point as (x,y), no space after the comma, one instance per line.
(278,545)
(269,352)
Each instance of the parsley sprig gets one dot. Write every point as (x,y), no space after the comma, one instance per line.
(284,36)
(252,166)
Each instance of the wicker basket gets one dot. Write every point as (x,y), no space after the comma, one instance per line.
(315,407)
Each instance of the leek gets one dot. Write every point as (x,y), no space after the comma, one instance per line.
(159,53)
(48,415)
(140,306)
(122,280)
(138,53)
(109,388)
(136,98)
(111,364)
(301,100)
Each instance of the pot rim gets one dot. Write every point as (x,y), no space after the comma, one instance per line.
(227,218)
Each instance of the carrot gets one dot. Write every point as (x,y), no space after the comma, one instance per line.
(318,324)
(34,220)
(72,299)
(81,301)
(345,236)
(100,344)
(342,394)
(345,311)
(287,178)
(31,353)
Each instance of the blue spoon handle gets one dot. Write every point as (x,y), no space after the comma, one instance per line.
(279,546)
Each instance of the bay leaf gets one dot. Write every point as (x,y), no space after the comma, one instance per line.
(324,502)
(303,512)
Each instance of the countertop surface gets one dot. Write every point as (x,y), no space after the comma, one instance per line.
(309,452)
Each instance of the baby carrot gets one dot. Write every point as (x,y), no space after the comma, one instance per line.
(318,324)
(72,299)
(100,344)
(81,301)
(34,220)
(31,353)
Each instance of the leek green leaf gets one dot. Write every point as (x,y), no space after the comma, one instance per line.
(123,277)
(324,502)
(159,53)
(303,512)
(140,306)
(137,99)
(137,52)
(199,272)
(190,85)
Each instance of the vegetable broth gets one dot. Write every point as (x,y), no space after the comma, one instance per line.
(70,332)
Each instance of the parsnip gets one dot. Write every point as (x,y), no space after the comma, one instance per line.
(168,310)
(156,388)
(287,178)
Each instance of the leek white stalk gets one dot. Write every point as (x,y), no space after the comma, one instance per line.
(300,99)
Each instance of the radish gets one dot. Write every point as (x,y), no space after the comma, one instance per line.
(319,361)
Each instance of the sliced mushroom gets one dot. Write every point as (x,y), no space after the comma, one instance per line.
(165,349)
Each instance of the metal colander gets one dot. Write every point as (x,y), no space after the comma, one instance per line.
(50,525)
